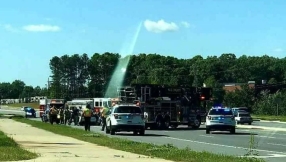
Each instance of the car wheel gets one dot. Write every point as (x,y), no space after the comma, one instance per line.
(107,131)
(135,132)
(249,123)
(112,131)
(232,131)
(142,132)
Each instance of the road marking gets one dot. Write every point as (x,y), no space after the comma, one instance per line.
(228,146)
(264,157)
(276,144)
(207,136)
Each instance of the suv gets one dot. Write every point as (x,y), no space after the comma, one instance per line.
(242,117)
(221,119)
(125,118)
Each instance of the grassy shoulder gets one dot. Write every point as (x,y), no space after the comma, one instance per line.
(270,118)
(11,151)
(168,152)
(34,105)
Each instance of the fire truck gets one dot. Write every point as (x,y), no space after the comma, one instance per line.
(166,106)
(45,105)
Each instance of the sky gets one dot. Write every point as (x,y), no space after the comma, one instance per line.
(33,31)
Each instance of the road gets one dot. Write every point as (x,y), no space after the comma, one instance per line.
(271,144)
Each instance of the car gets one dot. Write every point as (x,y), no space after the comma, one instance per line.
(125,118)
(221,119)
(242,117)
(30,112)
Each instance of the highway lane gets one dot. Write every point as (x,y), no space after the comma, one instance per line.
(270,145)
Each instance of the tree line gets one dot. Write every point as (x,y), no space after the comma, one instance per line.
(81,76)
(19,90)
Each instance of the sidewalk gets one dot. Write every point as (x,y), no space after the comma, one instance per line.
(57,148)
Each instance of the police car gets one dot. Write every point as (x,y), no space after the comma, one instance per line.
(221,119)
(125,118)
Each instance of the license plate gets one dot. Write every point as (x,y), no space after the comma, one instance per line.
(29,113)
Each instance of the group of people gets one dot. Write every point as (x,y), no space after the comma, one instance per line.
(66,115)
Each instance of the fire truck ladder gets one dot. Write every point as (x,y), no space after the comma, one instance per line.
(145,93)
(126,94)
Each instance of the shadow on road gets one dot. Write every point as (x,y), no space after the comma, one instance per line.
(146,135)
(237,133)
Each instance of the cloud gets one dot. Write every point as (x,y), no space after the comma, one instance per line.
(278,50)
(185,24)
(160,26)
(42,28)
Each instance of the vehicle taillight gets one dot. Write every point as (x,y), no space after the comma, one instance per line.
(209,117)
(116,116)
(179,112)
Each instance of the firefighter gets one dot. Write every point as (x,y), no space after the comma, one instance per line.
(62,115)
(87,115)
(75,115)
(67,115)
(53,114)
(104,114)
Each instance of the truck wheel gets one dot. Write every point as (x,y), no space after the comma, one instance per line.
(142,132)
(167,123)
(174,126)
(197,123)
(207,131)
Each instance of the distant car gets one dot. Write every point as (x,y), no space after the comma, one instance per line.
(30,112)
(221,119)
(242,117)
(125,118)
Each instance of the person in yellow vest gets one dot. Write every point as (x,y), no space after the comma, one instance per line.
(87,115)
(104,114)
(53,115)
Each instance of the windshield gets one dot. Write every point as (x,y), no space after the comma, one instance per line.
(127,109)
(220,112)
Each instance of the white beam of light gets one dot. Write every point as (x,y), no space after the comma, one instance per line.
(120,71)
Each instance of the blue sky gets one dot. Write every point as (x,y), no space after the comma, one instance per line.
(33,31)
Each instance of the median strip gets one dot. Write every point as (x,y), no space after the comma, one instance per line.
(167,151)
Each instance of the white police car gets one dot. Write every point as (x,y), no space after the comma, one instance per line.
(221,119)
(125,118)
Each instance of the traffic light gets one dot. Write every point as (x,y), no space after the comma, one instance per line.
(206,93)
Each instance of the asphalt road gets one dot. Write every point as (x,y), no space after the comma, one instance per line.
(271,144)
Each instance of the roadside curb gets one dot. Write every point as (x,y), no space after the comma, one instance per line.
(260,127)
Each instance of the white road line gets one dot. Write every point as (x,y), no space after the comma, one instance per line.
(263,131)
(276,144)
(207,136)
(228,146)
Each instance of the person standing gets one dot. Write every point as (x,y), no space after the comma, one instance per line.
(87,115)
(53,115)
(103,117)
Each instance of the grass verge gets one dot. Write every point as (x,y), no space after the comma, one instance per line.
(270,118)
(11,151)
(34,105)
(168,151)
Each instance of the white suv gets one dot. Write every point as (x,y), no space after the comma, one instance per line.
(221,119)
(125,118)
